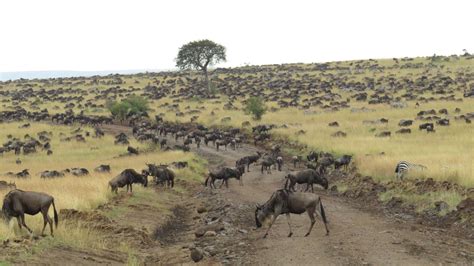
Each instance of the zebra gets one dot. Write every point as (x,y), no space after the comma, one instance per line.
(403,167)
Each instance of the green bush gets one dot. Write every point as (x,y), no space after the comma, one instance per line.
(127,107)
(256,107)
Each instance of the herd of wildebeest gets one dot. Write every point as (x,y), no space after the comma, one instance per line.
(299,86)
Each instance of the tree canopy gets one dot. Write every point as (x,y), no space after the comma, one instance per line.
(199,55)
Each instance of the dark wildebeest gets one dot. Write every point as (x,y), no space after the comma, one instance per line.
(7,185)
(312,156)
(79,171)
(162,143)
(23,174)
(162,174)
(132,150)
(221,142)
(297,160)
(103,168)
(344,161)
(51,174)
(285,202)
(247,160)
(279,161)
(128,177)
(18,202)
(308,177)
(267,164)
(225,174)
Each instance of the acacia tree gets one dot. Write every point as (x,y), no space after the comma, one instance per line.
(199,55)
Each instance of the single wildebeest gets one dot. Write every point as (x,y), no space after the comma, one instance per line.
(344,161)
(79,171)
(162,143)
(162,174)
(225,174)
(103,168)
(425,126)
(132,150)
(248,160)
(128,177)
(279,161)
(312,156)
(308,177)
(267,164)
(297,160)
(18,202)
(285,202)
(221,142)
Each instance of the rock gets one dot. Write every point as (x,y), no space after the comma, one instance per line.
(196,255)
(210,234)
(211,227)
(243,231)
(201,209)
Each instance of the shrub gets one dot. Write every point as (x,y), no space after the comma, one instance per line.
(132,105)
(256,107)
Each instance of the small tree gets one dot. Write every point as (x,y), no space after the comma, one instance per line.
(199,55)
(256,107)
(127,107)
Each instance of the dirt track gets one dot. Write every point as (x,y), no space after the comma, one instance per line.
(357,237)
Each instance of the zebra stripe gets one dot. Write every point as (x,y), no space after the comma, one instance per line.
(404,166)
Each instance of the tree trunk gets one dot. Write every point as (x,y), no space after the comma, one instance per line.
(207,79)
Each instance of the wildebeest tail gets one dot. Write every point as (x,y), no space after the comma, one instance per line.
(207,179)
(323,213)
(55,215)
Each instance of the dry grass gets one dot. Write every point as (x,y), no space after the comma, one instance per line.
(80,193)
(448,153)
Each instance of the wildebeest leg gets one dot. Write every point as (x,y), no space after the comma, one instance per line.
(289,225)
(262,168)
(307,187)
(313,220)
(312,189)
(24,224)
(270,226)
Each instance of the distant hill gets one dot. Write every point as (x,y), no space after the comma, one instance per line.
(63,74)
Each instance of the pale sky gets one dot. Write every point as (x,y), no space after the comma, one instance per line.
(138,34)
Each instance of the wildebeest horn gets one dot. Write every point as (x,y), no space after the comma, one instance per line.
(258,206)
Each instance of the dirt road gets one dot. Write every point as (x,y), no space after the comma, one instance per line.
(357,236)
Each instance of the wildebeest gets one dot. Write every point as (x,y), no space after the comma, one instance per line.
(79,171)
(51,174)
(308,177)
(279,161)
(162,143)
(344,161)
(128,177)
(7,185)
(18,202)
(248,160)
(285,202)
(312,156)
(132,150)
(267,164)
(162,174)
(221,142)
(22,174)
(103,168)
(225,174)
(297,160)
